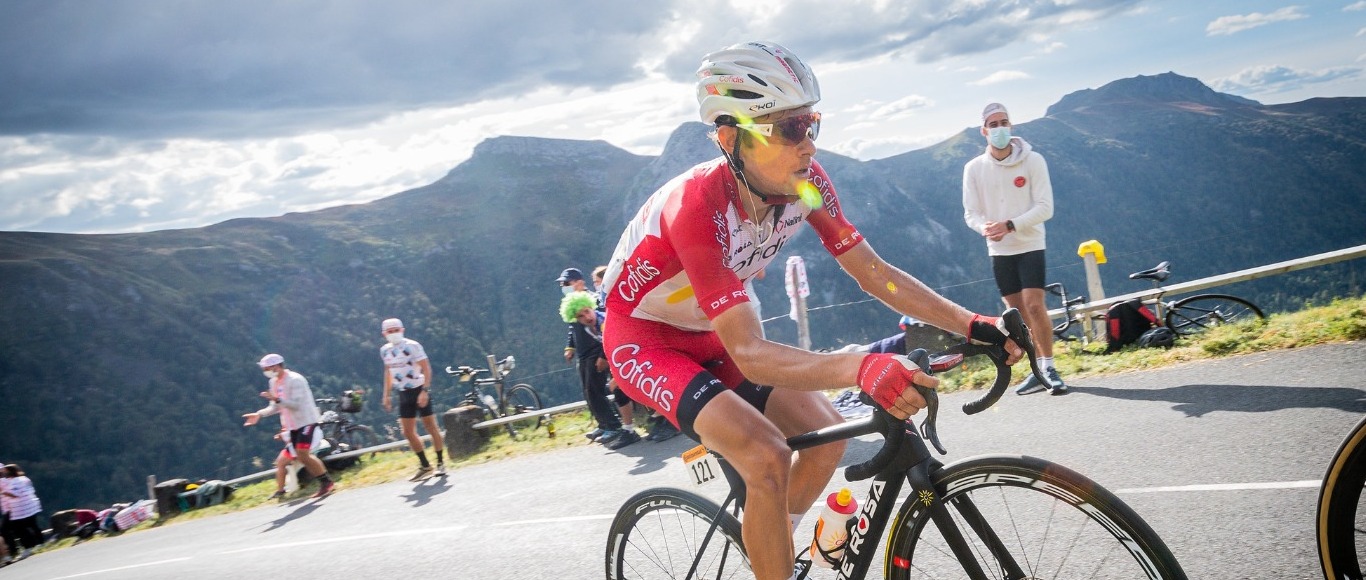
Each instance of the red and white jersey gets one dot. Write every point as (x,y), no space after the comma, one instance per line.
(686,255)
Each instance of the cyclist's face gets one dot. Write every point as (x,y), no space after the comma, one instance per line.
(779,165)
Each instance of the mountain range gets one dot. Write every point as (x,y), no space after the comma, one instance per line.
(123,355)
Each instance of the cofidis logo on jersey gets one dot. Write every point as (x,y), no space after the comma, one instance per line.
(638,373)
(634,277)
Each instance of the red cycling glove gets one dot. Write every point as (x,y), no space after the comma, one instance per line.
(885,376)
(986,330)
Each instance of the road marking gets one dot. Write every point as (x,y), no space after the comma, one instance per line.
(556,520)
(392,534)
(1225,486)
(172,561)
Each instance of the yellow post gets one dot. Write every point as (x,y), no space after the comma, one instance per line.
(1092,254)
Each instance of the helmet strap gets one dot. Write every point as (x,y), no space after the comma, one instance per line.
(737,167)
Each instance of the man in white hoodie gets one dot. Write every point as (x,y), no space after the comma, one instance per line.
(290,397)
(1007,196)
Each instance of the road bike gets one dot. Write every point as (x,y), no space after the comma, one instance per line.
(1341,516)
(339,424)
(990,516)
(1069,319)
(518,399)
(1195,314)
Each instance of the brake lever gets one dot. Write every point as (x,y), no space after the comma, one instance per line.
(1018,332)
(929,427)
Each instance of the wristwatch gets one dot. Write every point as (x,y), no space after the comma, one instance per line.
(1010,225)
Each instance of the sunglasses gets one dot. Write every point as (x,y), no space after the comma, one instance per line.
(789,130)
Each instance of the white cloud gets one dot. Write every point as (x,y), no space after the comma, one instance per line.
(1226,25)
(898,109)
(1277,78)
(1000,77)
(1355,6)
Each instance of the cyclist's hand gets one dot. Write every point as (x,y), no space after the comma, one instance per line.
(887,378)
(992,330)
(422,398)
(250,419)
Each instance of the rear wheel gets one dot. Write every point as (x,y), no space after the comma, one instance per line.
(359,437)
(1023,517)
(1196,314)
(520,399)
(1341,517)
(663,533)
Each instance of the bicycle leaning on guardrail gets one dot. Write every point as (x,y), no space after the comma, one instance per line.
(339,424)
(1195,314)
(515,400)
(992,516)
(1341,516)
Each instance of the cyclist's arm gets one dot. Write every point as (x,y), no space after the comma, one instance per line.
(388,382)
(902,292)
(769,363)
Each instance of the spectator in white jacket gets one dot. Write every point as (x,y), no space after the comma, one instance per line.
(1007,196)
(290,397)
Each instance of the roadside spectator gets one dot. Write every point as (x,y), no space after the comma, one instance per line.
(571,280)
(290,397)
(1007,196)
(408,370)
(579,309)
(22,506)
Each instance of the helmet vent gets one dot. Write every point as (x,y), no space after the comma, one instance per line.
(757,80)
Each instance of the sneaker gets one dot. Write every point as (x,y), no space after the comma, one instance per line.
(440,470)
(24,554)
(279,495)
(325,488)
(1058,387)
(664,431)
(626,437)
(422,473)
(608,436)
(1030,386)
(594,434)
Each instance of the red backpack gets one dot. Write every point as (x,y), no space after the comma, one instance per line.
(1126,321)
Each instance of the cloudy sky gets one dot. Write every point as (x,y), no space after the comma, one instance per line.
(139,115)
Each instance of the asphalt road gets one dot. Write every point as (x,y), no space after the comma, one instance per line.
(1223,458)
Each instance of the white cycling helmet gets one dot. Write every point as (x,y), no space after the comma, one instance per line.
(752,79)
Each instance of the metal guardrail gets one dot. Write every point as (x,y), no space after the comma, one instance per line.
(1220,280)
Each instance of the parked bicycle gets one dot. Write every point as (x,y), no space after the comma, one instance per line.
(1341,516)
(1197,313)
(339,424)
(506,401)
(993,516)
(1060,330)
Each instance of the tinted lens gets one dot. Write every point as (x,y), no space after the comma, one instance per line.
(794,129)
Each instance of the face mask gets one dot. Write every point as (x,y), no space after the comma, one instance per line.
(271,373)
(999,137)
(394,337)
(566,289)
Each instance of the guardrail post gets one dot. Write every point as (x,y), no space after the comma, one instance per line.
(1092,255)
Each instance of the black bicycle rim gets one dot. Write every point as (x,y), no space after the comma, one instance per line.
(1199,313)
(659,533)
(1341,519)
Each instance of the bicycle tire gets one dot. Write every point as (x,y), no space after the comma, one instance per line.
(520,399)
(1025,501)
(1341,518)
(360,437)
(657,534)
(1195,314)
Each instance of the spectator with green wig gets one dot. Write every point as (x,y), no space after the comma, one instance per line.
(579,310)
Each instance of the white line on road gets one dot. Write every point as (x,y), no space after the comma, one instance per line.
(392,534)
(1225,486)
(122,568)
(555,520)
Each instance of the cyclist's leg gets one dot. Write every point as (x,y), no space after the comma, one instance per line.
(757,449)
(797,412)
(407,422)
(429,422)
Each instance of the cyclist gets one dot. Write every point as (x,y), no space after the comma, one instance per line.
(408,370)
(683,336)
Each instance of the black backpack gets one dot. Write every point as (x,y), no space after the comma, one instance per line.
(1126,321)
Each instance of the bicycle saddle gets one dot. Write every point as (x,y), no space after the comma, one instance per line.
(1157,273)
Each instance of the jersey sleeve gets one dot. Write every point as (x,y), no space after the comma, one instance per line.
(417,354)
(696,227)
(834,229)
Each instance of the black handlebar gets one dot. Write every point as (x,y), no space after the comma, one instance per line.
(895,430)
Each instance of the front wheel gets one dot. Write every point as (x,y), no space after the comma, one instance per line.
(360,437)
(664,533)
(520,399)
(1192,315)
(1341,517)
(1023,517)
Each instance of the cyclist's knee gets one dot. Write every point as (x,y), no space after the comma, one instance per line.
(765,466)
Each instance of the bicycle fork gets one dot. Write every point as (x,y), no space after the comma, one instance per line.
(930,498)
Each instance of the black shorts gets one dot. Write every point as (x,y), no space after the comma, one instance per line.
(699,392)
(407,404)
(1015,273)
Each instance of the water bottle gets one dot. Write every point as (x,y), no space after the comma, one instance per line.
(832,529)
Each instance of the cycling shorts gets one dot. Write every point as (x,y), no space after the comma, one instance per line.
(407,404)
(1020,271)
(304,438)
(673,371)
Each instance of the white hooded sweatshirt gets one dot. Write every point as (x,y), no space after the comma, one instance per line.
(1016,188)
